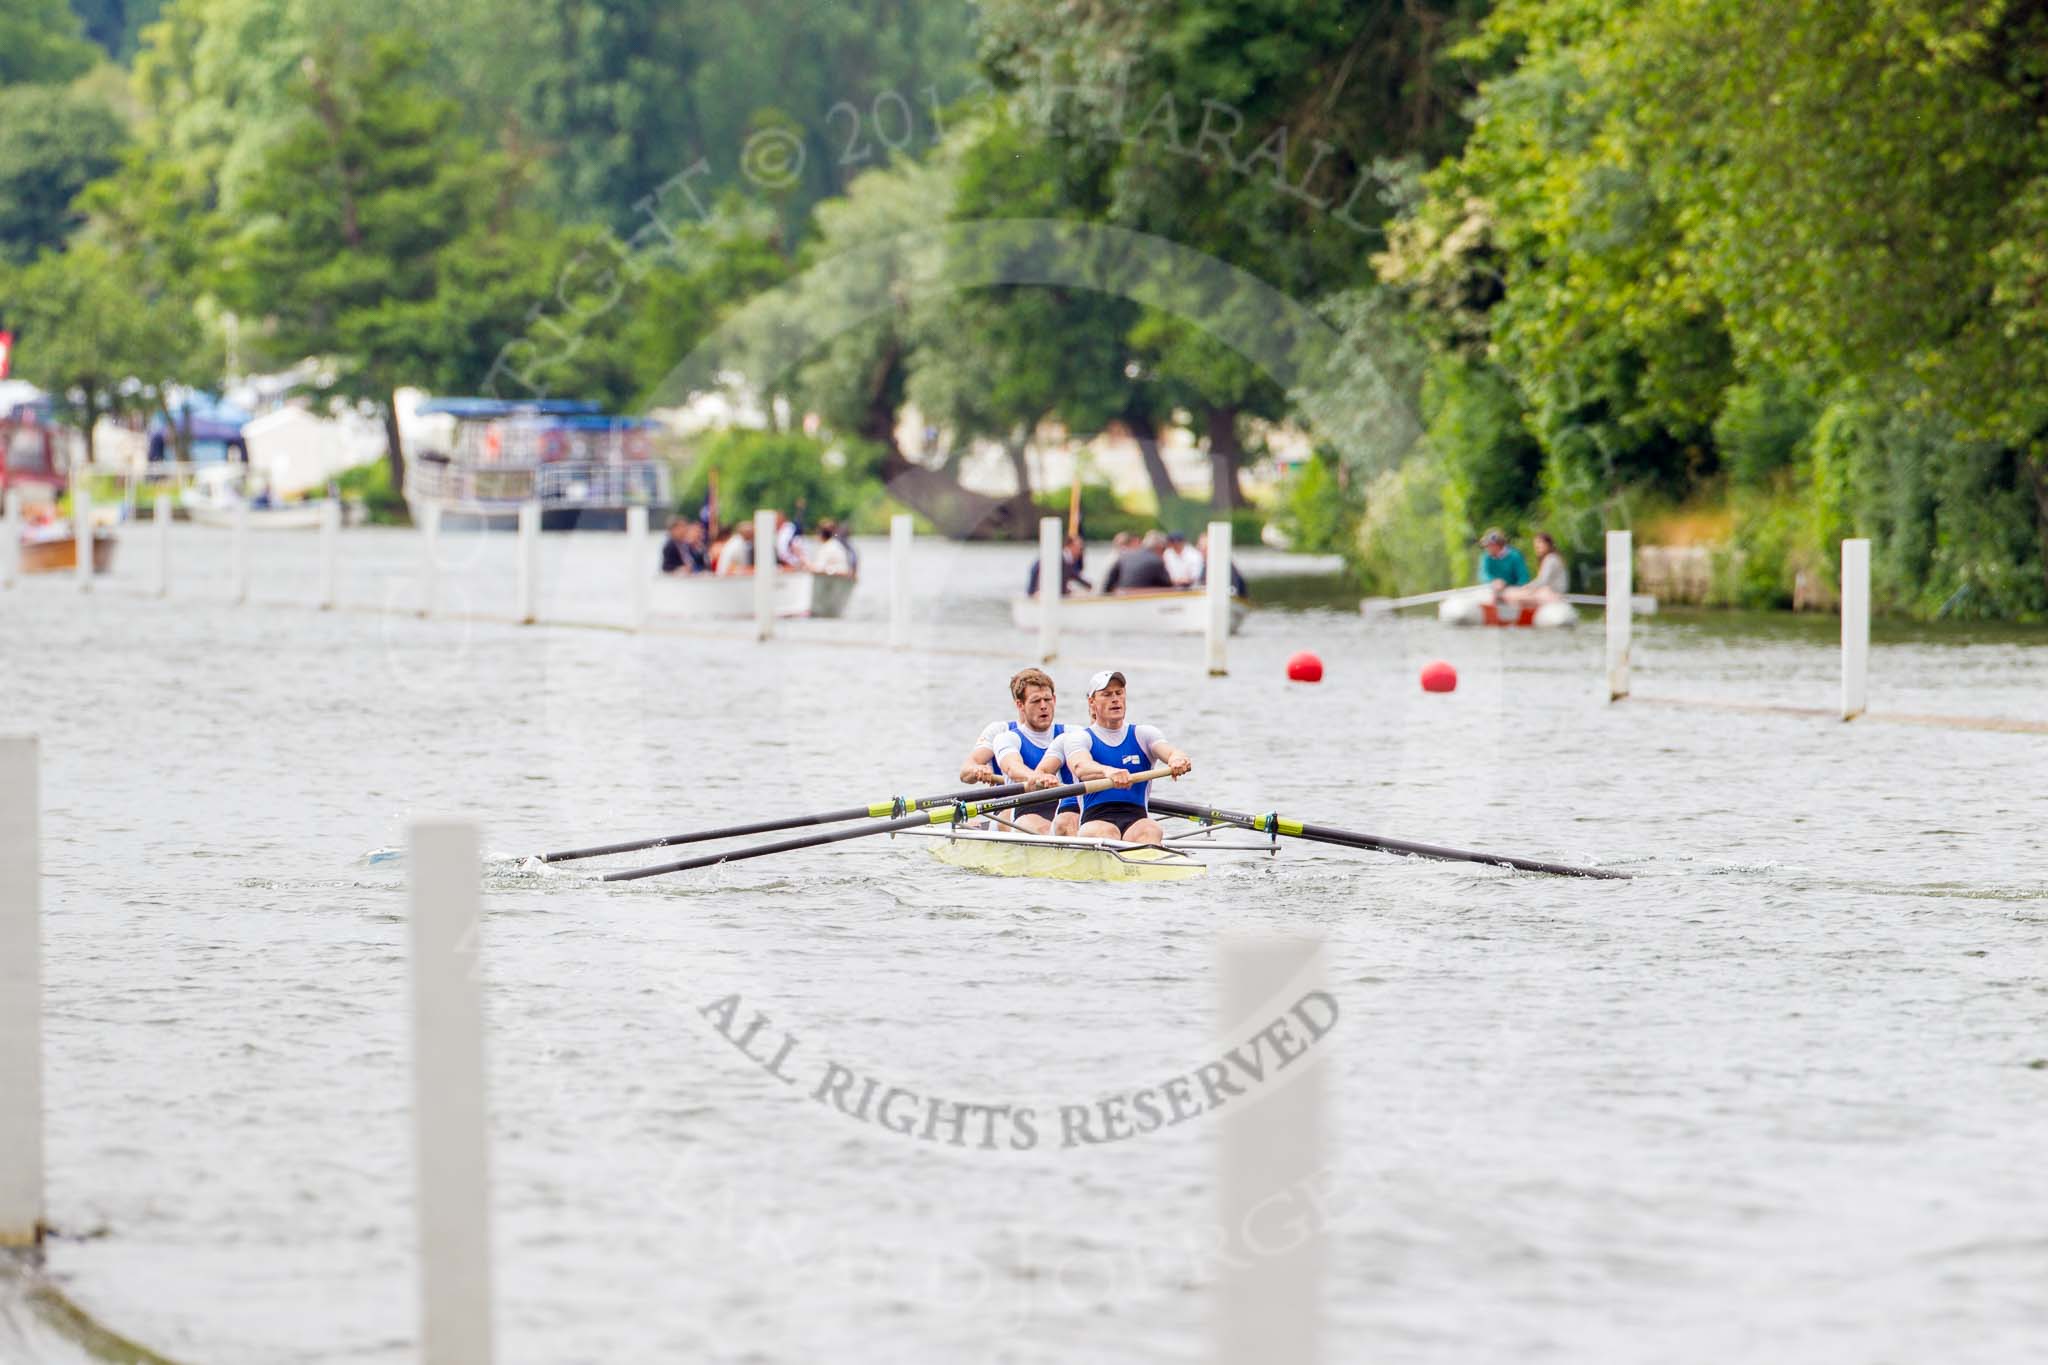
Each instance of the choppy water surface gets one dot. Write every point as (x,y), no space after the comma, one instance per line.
(1782,1096)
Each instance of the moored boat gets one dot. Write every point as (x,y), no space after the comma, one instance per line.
(582,466)
(730,597)
(1166,612)
(59,553)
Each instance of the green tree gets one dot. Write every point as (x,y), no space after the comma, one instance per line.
(53,143)
(41,41)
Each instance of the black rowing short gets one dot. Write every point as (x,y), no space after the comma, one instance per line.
(1122,814)
(1043,809)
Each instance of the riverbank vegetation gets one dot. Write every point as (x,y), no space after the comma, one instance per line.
(1740,283)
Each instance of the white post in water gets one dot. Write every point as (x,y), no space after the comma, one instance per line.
(1051,578)
(81,530)
(529,563)
(1217,567)
(21,998)
(899,580)
(430,555)
(637,568)
(1620,623)
(239,582)
(10,531)
(330,553)
(160,517)
(451,1145)
(764,573)
(1272,1180)
(1855,628)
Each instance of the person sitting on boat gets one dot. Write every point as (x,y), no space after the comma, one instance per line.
(737,554)
(830,555)
(683,551)
(1500,564)
(1183,562)
(788,549)
(1237,583)
(1553,579)
(1073,559)
(1013,751)
(1109,746)
(1142,569)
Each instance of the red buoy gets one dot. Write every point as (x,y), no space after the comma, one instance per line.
(1438,676)
(1304,667)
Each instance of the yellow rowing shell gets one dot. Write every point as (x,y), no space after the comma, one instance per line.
(1067,860)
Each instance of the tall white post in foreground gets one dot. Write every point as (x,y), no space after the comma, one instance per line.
(636,567)
(10,532)
(452,1150)
(1620,623)
(764,573)
(1271,1182)
(1217,567)
(330,553)
(529,562)
(239,582)
(430,555)
(21,998)
(81,530)
(1051,579)
(1855,628)
(899,580)
(160,518)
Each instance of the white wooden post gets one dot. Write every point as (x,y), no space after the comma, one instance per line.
(10,531)
(21,998)
(529,562)
(638,570)
(430,554)
(81,529)
(1855,628)
(899,580)
(1217,565)
(764,573)
(451,1143)
(1051,577)
(1271,1174)
(160,520)
(1620,623)
(330,553)
(239,588)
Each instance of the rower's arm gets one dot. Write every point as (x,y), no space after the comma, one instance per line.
(976,768)
(1080,763)
(1165,754)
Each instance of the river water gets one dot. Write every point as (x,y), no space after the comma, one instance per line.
(1782,1096)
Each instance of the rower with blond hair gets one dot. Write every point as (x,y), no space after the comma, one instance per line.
(1109,746)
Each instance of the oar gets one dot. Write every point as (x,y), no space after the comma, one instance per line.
(892,806)
(1324,834)
(1373,606)
(943,816)
(1640,604)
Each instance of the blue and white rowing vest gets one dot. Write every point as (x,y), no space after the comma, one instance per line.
(1034,752)
(1127,756)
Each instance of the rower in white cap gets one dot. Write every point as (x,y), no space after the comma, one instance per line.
(1110,747)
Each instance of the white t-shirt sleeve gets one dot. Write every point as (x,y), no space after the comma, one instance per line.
(991,733)
(1148,735)
(1005,741)
(1069,744)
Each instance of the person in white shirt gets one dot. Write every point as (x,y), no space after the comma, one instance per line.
(788,553)
(1112,748)
(829,555)
(737,554)
(1010,751)
(1553,579)
(1183,561)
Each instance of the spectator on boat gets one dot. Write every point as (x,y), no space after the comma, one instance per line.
(1553,578)
(1237,583)
(1073,560)
(830,555)
(1183,562)
(1142,569)
(789,551)
(737,554)
(1500,564)
(683,551)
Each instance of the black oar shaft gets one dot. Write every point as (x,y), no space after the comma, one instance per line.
(943,815)
(830,817)
(1325,834)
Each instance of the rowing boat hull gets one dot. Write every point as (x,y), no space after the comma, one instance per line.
(1066,860)
(1130,613)
(295,517)
(1476,609)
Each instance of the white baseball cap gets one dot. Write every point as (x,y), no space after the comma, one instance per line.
(1104,679)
